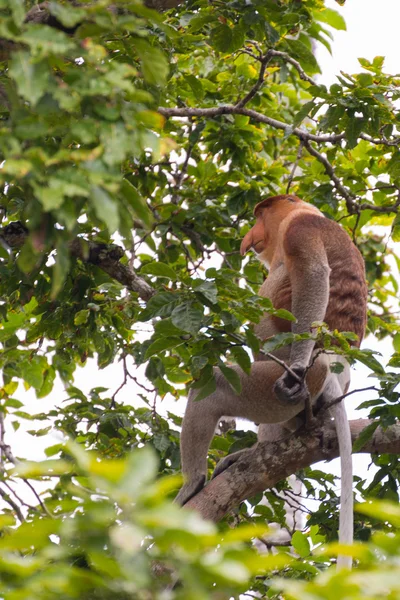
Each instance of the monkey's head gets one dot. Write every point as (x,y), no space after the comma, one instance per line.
(269,213)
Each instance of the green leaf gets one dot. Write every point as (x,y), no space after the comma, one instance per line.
(160,270)
(51,196)
(303,113)
(61,268)
(160,305)
(282,313)
(278,341)
(384,511)
(198,363)
(45,41)
(252,341)
(154,64)
(232,377)
(31,78)
(187,317)
(301,544)
(162,344)
(300,51)
(18,11)
(106,208)
(32,470)
(81,317)
(136,202)
(208,389)
(366,357)
(396,227)
(32,372)
(364,436)
(354,127)
(69,16)
(207,288)
(196,86)
(336,367)
(227,39)
(331,17)
(242,358)
(396,342)
(27,258)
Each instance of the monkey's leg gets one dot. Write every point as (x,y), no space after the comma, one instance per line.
(256,402)
(267,432)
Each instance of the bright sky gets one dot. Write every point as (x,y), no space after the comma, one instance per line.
(372,29)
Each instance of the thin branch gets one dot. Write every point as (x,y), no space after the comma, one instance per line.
(13,504)
(295,165)
(343,191)
(327,405)
(284,366)
(264,60)
(123,384)
(232,109)
(287,58)
(38,498)
(182,173)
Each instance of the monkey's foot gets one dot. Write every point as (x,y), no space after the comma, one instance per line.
(190,489)
(289,390)
(229,460)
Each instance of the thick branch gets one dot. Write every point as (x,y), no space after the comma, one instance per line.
(265,464)
(105,256)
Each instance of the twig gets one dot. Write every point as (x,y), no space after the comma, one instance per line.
(182,173)
(327,405)
(285,366)
(287,58)
(2,432)
(347,195)
(264,60)
(38,498)
(295,165)
(123,384)
(13,505)
(20,500)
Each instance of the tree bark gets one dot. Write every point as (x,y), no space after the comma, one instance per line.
(267,463)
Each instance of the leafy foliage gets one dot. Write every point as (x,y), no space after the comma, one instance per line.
(134,145)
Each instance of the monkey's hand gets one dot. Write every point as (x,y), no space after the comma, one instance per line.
(290,390)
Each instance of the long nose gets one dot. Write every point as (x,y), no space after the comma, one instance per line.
(247,242)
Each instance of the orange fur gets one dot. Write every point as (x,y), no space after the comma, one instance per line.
(286,229)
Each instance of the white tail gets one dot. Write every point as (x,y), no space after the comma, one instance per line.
(346,518)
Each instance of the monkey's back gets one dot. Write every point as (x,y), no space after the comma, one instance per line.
(347,306)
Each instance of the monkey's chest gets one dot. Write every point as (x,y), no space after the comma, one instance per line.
(277,288)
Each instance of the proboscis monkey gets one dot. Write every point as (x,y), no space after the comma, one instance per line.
(317,273)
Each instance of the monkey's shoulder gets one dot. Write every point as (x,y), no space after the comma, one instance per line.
(307,230)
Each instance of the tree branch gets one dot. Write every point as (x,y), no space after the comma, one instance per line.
(267,463)
(105,256)
(343,191)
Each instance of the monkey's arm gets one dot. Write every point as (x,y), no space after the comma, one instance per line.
(308,269)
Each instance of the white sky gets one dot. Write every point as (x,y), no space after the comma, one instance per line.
(372,29)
